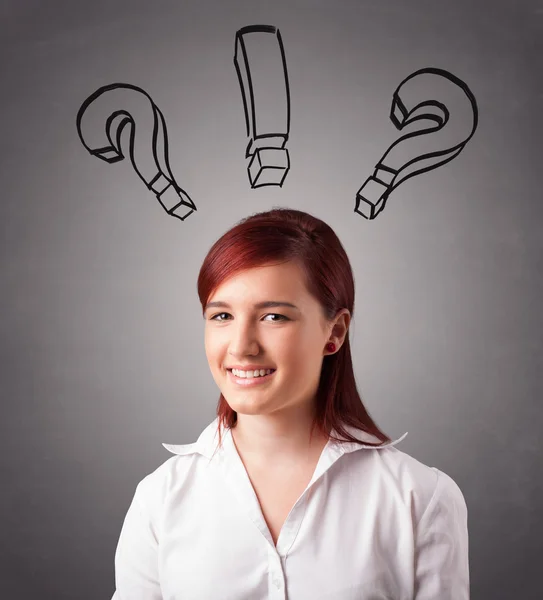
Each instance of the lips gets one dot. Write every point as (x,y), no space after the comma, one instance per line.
(250,368)
(250,381)
(259,369)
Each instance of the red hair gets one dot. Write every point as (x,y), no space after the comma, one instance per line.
(282,235)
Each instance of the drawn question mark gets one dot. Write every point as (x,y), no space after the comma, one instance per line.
(121,104)
(454,114)
(262,72)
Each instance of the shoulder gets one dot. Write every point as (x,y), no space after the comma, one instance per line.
(177,472)
(155,487)
(426,488)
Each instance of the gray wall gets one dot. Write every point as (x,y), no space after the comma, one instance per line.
(102,336)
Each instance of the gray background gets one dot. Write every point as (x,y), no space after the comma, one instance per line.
(102,336)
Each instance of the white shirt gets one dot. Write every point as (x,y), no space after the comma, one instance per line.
(372,524)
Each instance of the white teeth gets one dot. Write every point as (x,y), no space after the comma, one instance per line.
(251,374)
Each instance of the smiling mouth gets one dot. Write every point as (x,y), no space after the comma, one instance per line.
(252,370)
(250,381)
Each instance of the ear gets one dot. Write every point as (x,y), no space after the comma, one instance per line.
(340,327)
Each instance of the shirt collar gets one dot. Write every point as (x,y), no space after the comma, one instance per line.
(208,440)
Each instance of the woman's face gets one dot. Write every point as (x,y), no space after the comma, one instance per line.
(290,340)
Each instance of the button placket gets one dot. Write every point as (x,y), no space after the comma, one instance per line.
(276,574)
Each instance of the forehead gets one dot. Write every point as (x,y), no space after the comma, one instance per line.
(285,280)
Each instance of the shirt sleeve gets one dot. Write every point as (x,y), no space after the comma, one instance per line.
(441,558)
(136,556)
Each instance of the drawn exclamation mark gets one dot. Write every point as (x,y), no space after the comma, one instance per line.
(262,71)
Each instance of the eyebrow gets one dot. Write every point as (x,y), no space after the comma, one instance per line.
(266,304)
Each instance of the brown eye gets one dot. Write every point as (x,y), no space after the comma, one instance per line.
(281,317)
(214,318)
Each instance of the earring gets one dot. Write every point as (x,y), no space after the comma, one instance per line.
(331,347)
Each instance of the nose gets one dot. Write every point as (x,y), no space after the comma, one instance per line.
(243,342)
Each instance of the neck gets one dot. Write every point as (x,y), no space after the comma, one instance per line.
(267,440)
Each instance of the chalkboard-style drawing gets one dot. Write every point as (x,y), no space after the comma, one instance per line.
(262,71)
(121,104)
(438,130)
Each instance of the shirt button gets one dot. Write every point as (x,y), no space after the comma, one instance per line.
(277,583)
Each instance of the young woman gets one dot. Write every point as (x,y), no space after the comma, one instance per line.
(292,491)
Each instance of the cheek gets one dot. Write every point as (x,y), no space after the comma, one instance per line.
(296,353)
(211,349)
(310,351)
